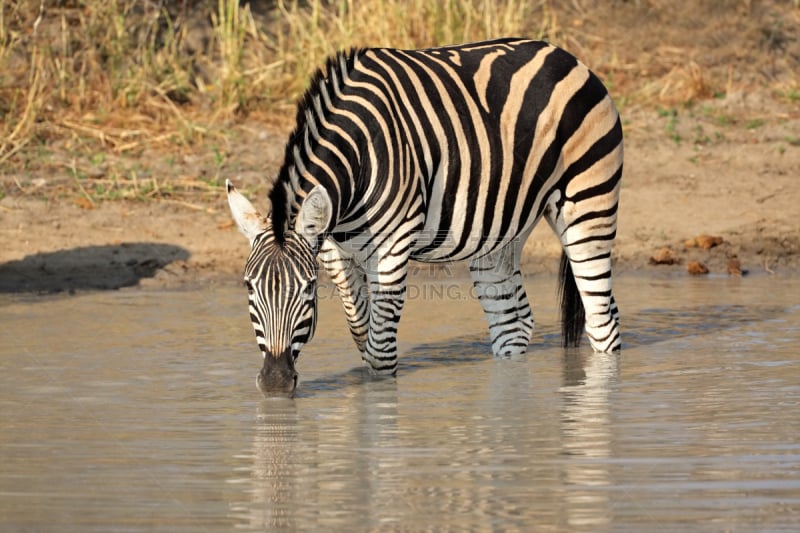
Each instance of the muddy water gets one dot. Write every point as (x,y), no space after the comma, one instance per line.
(138,410)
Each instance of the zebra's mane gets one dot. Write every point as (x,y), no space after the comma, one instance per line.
(340,63)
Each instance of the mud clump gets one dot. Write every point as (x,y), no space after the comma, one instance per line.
(706,242)
(696,268)
(664,256)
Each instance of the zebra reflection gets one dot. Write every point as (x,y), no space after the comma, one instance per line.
(586,437)
(319,466)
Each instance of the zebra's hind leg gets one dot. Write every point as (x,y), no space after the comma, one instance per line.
(592,275)
(501,291)
(587,240)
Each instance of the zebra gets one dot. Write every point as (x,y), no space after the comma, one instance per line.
(436,155)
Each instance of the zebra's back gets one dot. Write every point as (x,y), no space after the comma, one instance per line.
(491,130)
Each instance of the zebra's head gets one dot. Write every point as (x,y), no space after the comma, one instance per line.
(281,280)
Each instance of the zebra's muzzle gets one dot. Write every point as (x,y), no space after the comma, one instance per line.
(277,376)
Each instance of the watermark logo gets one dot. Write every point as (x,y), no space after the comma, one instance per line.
(429,291)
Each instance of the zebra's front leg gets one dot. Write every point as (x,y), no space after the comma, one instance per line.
(351,284)
(387,292)
(501,291)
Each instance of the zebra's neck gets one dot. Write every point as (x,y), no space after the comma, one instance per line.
(320,151)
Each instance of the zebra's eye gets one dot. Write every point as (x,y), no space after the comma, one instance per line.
(248,286)
(310,290)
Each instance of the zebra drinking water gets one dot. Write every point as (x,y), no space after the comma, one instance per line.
(436,155)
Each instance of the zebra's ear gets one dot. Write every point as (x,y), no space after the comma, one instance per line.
(250,221)
(315,214)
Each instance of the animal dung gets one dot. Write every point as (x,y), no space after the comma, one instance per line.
(664,256)
(706,242)
(696,268)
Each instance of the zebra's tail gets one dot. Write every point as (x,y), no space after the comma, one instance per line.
(573,314)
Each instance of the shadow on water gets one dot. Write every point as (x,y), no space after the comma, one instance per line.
(647,327)
(104,267)
(455,351)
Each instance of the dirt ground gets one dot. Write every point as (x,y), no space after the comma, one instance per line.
(688,173)
(723,161)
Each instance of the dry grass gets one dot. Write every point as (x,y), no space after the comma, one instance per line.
(312,31)
(121,76)
(126,72)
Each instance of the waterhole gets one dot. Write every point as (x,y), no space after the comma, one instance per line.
(137,410)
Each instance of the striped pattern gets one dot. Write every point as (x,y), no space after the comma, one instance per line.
(281,283)
(452,154)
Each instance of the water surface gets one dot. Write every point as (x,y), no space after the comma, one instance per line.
(136,410)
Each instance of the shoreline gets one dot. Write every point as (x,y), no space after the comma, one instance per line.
(736,183)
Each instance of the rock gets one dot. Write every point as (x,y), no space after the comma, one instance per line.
(705,242)
(84,203)
(696,268)
(664,256)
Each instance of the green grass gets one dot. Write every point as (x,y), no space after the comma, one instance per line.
(725,120)
(671,127)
